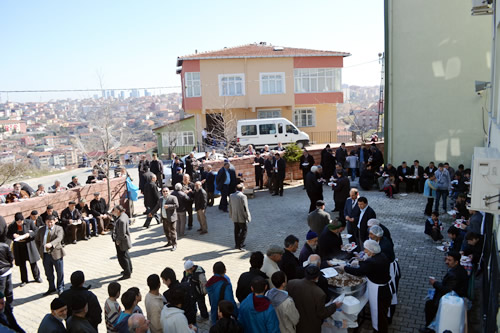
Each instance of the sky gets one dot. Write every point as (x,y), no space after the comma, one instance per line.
(125,44)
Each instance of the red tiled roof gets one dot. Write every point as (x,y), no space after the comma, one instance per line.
(260,51)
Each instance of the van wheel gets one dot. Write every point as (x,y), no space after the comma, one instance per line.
(301,144)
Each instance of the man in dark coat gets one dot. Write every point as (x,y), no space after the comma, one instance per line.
(99,210)
(318,218)
(143,168)
(309,247)
(259,170)
(189,305)
(351,210)
(305,164)
(314,186)
(456,279)
(268,166)
(53,321)
(190,160)
(226,180)
(7,318)
(151,197)
(50,212)
(418,171)
(330,241)
(3,230)
(177,176)
(24,249)
(70,216)
(94,314)
(177,163)
(243,289)
(279,172)
(6,260)
(156,167)
(341,155)
(210,185)
(365,213)
(289,264)
(121,238)
(341,193)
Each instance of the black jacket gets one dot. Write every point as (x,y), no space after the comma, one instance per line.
(189,165)
(289,264)
(243,289)
(221,178)
(182,199)
(342,189)
(3,230)
(143,166)
(363,225)
(340,155)
(456,279)
(313,187)
(6,258)
(227,325)
(94,315)
(420,171)
(176,178)
(98,207)
(189,304)
(9,320)
(281,169)
(156,167)
(151,195)
(200,199)
(329,244)
(309,159)
(210,183)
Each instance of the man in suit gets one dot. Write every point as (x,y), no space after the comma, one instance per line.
(418,172)
(314,186)
(143,169)
(306,163)
(72,223)
(48,241)
(289,264)
(168,205)
(240,214)
(401,177)
(156,167)
(121,237)
(268,166)
(99,210)
(151,197)
(259,170)
(318,219)
(200,205)
(365,213)
(341,155)
(53,321)
(190,160)
(226,179)
(341,193)
(351,210)
(279,174)
(49,212)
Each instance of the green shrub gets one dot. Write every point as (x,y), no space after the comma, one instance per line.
(292,153)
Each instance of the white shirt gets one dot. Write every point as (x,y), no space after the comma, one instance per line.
(354,203)
(361,216)
(416,172)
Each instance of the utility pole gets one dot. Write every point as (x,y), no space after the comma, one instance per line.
(380,122)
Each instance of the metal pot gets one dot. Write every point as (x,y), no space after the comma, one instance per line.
(355,291)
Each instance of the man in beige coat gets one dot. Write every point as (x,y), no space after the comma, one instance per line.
(48,241)
(283,304)
(240,214)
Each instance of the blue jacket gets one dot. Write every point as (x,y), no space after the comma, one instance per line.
(443,179)
(263,321)
(348,210)
(427,189)
(214,285)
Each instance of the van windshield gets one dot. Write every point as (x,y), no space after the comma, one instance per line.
(291,129)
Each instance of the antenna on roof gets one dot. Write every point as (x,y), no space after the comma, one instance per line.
(263,43)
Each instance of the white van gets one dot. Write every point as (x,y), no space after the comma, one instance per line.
(270,131)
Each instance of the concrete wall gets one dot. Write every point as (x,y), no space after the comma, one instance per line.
(60,200)
(435,52)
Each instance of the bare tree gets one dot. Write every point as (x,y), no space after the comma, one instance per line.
(170,136)
(356,125)
(11,170)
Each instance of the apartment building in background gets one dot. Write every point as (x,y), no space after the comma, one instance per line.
(263,81)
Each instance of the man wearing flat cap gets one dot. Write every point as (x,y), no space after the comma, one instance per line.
(273,257)
(318,219)
(310,301)
(53,321)
(72,223)
(77,322)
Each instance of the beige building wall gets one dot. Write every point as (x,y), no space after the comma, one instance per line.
(436,50)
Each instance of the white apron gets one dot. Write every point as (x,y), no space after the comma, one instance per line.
(395,275)
(372,291)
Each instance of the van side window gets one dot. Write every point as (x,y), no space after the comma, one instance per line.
(248,130)
(267,129)
(291,129)
(280,128)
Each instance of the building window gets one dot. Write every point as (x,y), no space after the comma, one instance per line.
(262,114)
(187,138)
(317,80)
(304,117)
(232,84)
(193,84)
(267,129)
(178,139)
(272,83)
(248,130)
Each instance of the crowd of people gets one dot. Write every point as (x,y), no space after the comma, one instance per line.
(281,292)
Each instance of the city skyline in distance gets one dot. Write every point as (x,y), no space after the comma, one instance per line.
(126,44)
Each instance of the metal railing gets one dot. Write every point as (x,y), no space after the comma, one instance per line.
(330,137)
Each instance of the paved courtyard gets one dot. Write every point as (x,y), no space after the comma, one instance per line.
(273,218)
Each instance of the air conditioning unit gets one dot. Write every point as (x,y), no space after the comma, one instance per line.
(485,180)
(481,7)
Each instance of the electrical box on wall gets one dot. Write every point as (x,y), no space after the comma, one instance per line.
(485,180)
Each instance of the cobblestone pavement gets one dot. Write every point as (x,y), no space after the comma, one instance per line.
(273,218)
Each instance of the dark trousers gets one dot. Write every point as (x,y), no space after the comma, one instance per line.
(223,197)
(384,303)
(270,182)
(339,205)
(428,207)
(304,173)
(444,195)
(352,229)
(148,219)
(259,177)
(49,264)
(189,211)
(240,233)
(24,272)
(170,230)
(278,181)
(210,199)
(202,306)
(431,308)
(124,261)
(6,288)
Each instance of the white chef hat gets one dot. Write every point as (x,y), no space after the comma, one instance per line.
(372,222)
(372,246)
(377,231)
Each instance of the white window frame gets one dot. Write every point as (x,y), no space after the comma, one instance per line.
(183,138)
(259,112)
(317,80)
(240,76)
(273,81)
(191,84)
(298,121)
